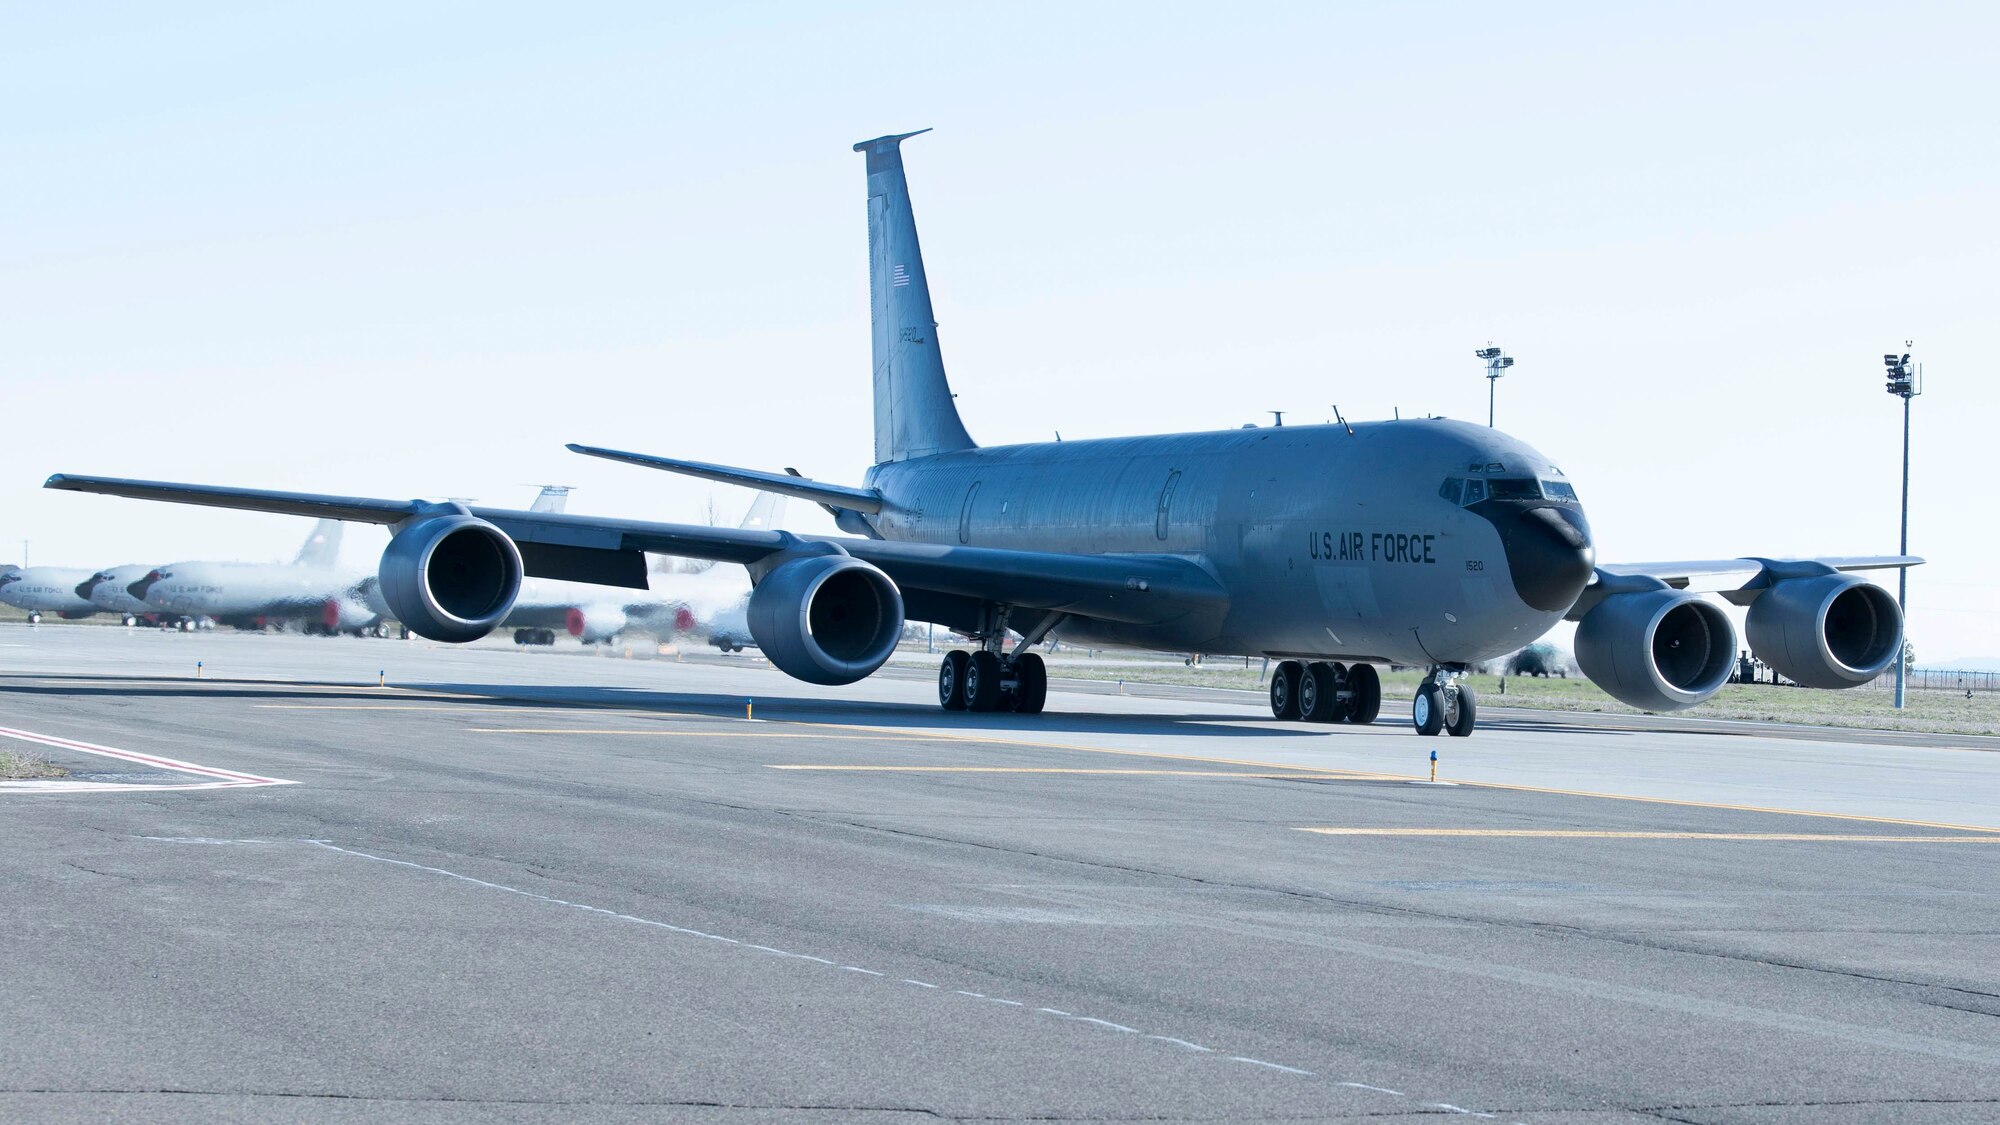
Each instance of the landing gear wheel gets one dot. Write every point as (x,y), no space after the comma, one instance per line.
(1367,685)
(951,680)
(1464,715)
(1427,712)
(130,620)
(34,618)
(982,682)
(1319,701)
(1032,684)
(1285,690)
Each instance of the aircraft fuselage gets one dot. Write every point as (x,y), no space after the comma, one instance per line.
(1331,543)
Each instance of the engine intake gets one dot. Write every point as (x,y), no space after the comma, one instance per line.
(1658,650)
(826,619)
(1831,631)
(451,577)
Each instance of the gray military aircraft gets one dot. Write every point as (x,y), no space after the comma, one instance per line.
(1330,548)
(45,589)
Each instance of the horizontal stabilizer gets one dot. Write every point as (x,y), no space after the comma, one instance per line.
(839,496)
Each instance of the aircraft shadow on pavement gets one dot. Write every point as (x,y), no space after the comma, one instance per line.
(776,708)
(781,708)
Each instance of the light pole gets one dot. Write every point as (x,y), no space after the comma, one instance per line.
(1496,363)
(1905,381)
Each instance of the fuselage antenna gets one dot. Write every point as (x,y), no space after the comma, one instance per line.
(1279,415)
(1342,421)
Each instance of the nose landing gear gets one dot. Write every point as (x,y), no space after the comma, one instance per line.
(1445,704)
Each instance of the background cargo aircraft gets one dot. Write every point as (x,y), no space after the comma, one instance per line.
(1331,548)
(45,589)
(309,589)
(110,591)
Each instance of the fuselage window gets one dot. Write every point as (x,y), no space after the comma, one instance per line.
(1450,489)
(1559,490)
(1514,488)
(1475,491)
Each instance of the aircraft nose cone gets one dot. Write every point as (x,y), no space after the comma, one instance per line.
(1550,555)
(138,589)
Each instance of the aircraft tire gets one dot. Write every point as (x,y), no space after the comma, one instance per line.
(1032,679)
(1318,701)
(130,621)
(1427,712)
(951,680)
(34,618)
(1367,685)
(1465,715)
(1285,690)
(982,682)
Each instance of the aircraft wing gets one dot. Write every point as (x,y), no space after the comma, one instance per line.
(1138,589)
(1739,581)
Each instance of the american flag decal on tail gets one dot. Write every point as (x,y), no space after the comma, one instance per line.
(898,277)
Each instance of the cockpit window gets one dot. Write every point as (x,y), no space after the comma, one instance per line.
(1514,488)
(1475,491)
(1559,490)
(1450,489)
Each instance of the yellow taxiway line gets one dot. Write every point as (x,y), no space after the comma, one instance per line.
(1611,834)
(852,732)
(1050,769)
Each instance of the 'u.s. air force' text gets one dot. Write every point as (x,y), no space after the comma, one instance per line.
(1372,546)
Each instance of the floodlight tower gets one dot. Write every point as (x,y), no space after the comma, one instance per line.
(1496,364)
(1905,381)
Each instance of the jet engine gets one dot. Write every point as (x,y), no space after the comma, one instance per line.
(1658,650)
(451,577)
(826,619)
(595,624)
(1829,631)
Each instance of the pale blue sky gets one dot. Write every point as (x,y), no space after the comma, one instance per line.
(412,249)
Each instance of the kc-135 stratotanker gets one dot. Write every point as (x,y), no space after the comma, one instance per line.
(1331,549)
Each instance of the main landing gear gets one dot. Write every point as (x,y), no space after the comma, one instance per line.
(1321,692)
(988,681)
(1444,704)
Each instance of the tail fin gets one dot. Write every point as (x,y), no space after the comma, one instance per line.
(322,547)
(765,512)
(554,498)
(914,414)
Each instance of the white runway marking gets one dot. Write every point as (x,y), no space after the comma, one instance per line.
(216,778)
(1272,1065)
(691,932)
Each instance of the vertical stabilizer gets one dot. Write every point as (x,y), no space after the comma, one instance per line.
(765,512)
(553,498)
(914,414)
(321,548)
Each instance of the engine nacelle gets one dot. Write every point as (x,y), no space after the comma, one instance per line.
(1658,650)
(451,577)
(1830,631)
(826,619)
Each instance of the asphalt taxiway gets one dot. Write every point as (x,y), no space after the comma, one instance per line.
(337,880)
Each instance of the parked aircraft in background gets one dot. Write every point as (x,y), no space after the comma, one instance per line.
(1329,548)
(45,589)
(110,591)
(310,589)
